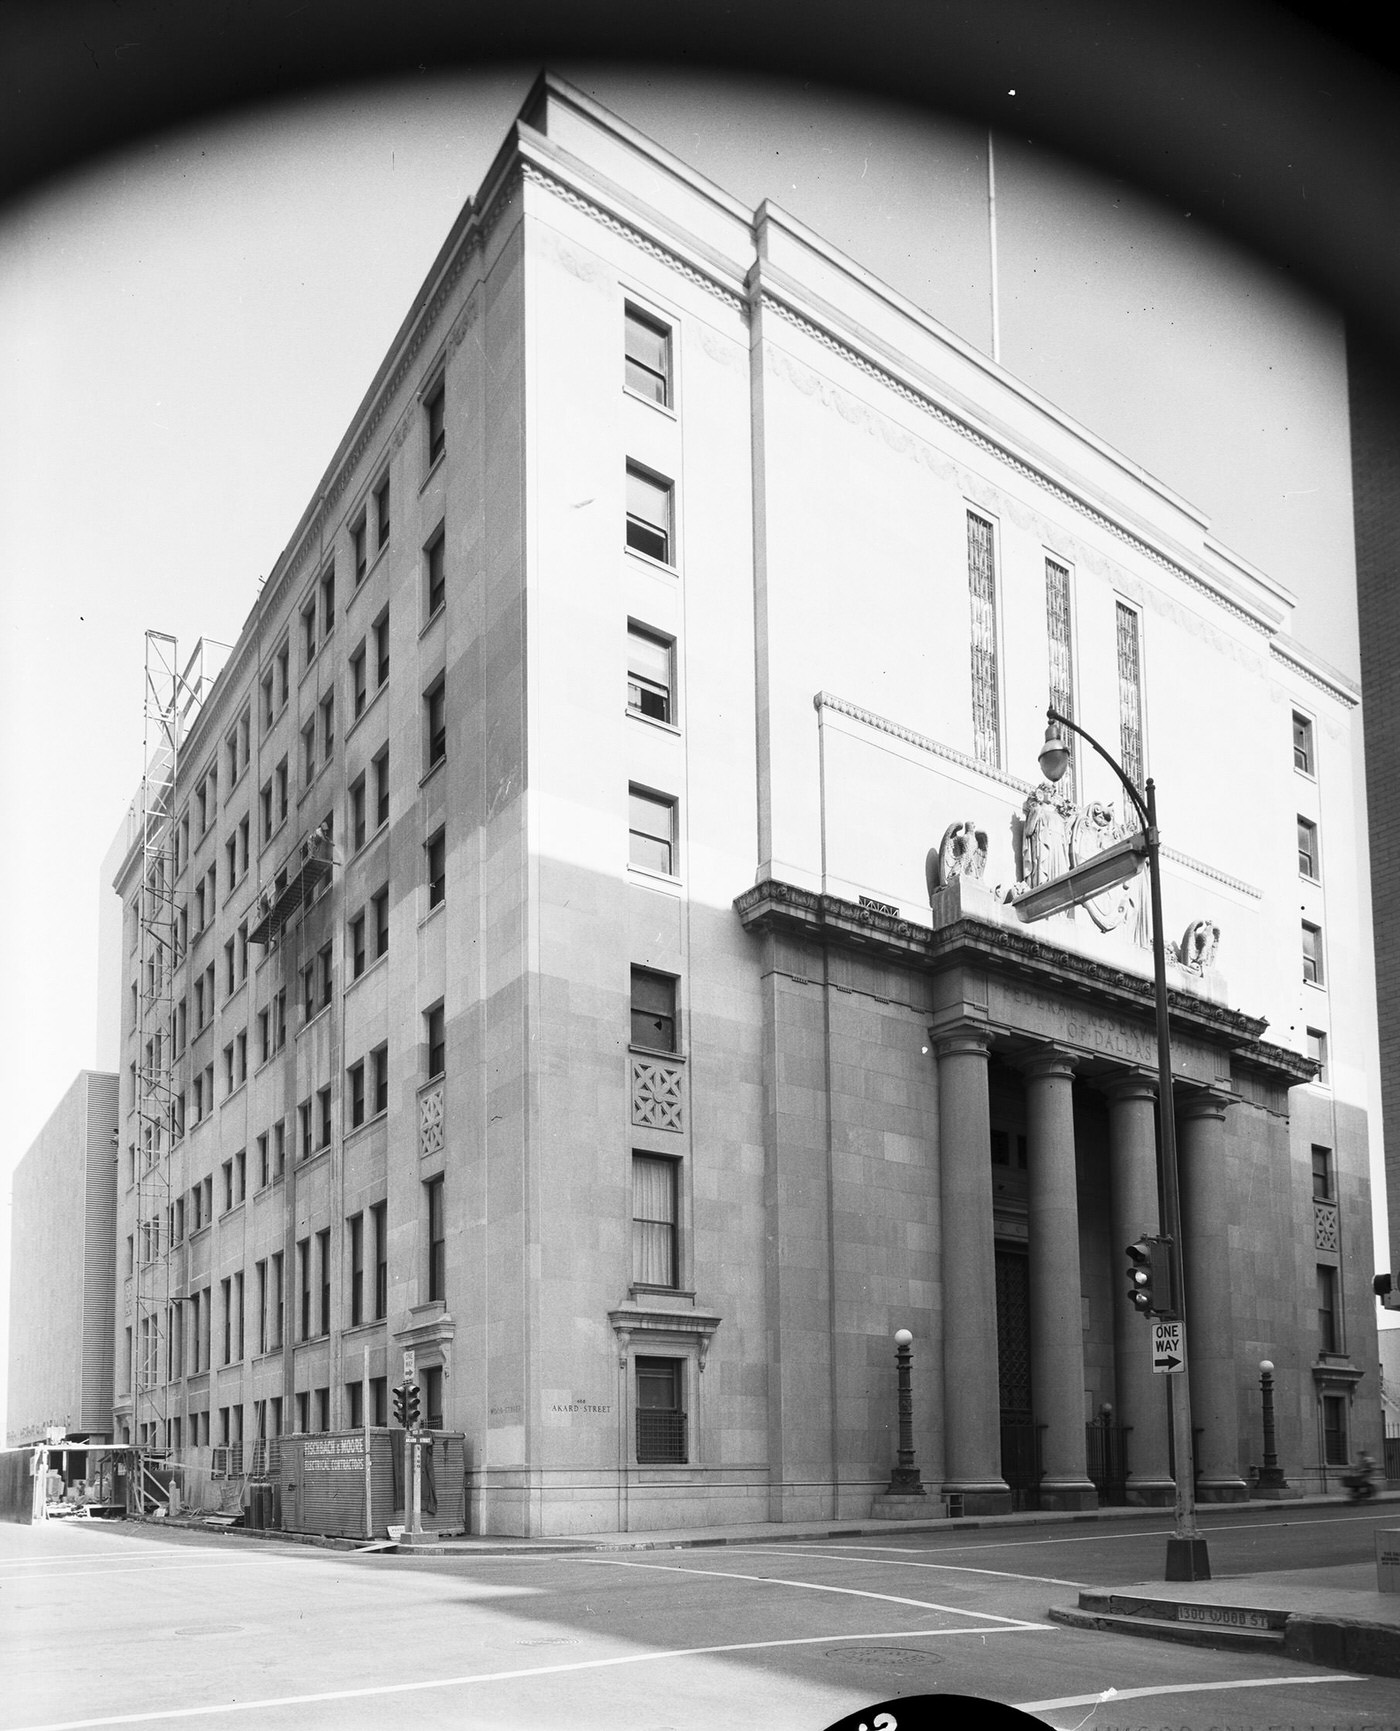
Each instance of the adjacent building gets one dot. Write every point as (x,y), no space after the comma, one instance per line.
(576,936)
(63,1270)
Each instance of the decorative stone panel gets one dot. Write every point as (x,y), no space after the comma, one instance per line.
(656,1094)
(430,1136)
(1325,1234)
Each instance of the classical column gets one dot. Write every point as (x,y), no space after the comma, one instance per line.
(1057,1311)
(1207,1208)
(1142,1394)
(971,1393)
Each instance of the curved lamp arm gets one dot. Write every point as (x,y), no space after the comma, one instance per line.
(1149,823)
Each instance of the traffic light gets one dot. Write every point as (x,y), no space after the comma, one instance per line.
(412,1399)
(400,1405)
(1149,1277)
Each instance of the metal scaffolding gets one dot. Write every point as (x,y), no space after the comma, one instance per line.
(173,696)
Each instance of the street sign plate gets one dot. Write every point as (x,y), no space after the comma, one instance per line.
(1166,1347)
(409,1364)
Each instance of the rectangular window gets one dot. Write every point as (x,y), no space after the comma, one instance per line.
(649,512)
(357,812)
(1312,953)
(308,990)
(437,868)
(228,1185)
(379,908)
(1328,1322)
(986,689)
(379,1069)
(432,1397)
(435,422)
(240,1047)
(226,1311)
(265,810)
(279,1019)
(261,1270)
(304,1114)
(1317,1048)
(661,1438)
(380,1215)
(648,357)
(238,1327)
(437,1242)
(357,946)
(1059,634)
(264,1168)
(381,649)
(359,546)
(1130,695)
(1302,743)
(435,720)
(379,1400)
(304,1288)
(325,976)
(327,713)
(277,1314)
(1307,849)
(269,703)
(435,1028)
(308,753)
(327,601)
(303,1400)
(231,859)
(435,570)
(357,680)
(323,1271)
(284,675)
(280,777)
(279,1147)
(649,674)
(308,632)
(653,1010)
(356,1074)
(651,822)
(1322,1173)
(264,1035)
(654,1221)
(323,1116)
(381,789)
(355,1404)
(381,514)
(357,1269)
(240,1174)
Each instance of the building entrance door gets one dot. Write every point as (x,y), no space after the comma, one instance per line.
(1020,1435)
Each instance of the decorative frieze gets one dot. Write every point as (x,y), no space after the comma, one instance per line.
(430,1130)
(1326,1234)
(656,1094)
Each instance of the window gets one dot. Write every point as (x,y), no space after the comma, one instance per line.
(240,1174)
(357,812)
(231,859)
(649,500)
(435,556)
(1302,743)
(379,907)
(435,422)
(356,1074)
(323,1271)
(323,1118)
(269,703)
(653,1010)
(355,1404)
(381,649)
(982,593)
(277,1322)
(357,1269)
(304,1288)
(359,545)
(648,362)
(437,868)
(381,789)
(264,1035)
(280,778)
(1335,1447)
(1317,1048)
(304,1116)
(357,680)
(308,632)
(380,1215)
(435,717)
(1312,953)
(379,1400)
(325,976)
(437,1242)
(308,753)
(379,1068)
(435,1028)
(432,1397)
(284,677)
(303,1411)
(1328,1322)
(654,1221)
(1307,849)
(226,1311)
(228,1068)
(327,713)
(264,1170)
(649,674)
(279,1147)
(652,830)
(243,847)
(381,514)
(1058,631)
(1322,1173)
(661,1435)
(1130,695)
(240,1047)
(357,946)
(327,601)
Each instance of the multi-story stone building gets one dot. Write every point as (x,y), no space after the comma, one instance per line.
(583,944)
(63,1270)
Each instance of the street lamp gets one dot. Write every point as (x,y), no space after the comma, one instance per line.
(1187,1555)
(904,1478)
(1271,1482)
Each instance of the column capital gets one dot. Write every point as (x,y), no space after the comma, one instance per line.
(1047,1061)
(1130,1085)
(960,1039)
(1205,1103)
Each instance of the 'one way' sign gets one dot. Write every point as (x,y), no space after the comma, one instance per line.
(1167,1347)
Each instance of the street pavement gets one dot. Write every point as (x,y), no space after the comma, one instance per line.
(150,1625)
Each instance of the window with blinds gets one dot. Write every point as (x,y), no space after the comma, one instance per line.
(1130,695)
(982,590)
(1057,630)
(653,1221)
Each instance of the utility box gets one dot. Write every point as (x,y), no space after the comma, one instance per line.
(350,1484)
(1388,1559)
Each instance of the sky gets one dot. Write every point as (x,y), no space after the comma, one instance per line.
(187,328)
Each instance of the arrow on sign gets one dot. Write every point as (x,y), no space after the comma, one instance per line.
(1170,1362)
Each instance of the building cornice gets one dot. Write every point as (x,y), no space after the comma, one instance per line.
(773,906)
(1316,672)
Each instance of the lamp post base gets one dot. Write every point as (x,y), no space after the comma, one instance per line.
(1187,1560)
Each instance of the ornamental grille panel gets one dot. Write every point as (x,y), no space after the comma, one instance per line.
(1014,1334)
(982,590)
(1057,626)
(1129,695)
(430,1132)
(1326,1235)
(656,1094)
(661,1438)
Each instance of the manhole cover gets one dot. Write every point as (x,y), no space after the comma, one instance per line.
(212,1629)
(887,1658)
